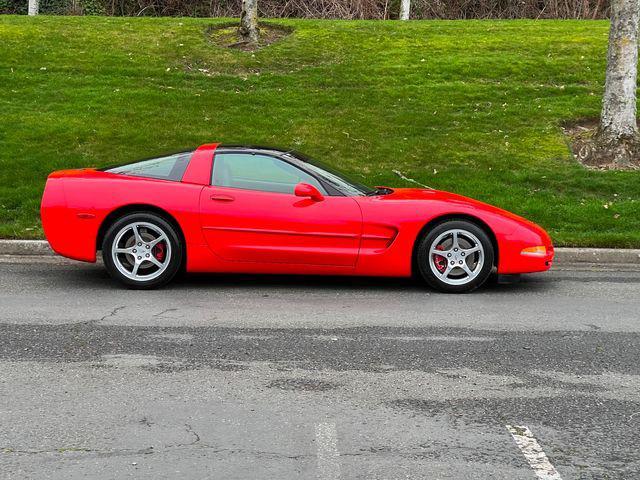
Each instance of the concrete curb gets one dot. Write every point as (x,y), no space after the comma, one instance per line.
(607,256)
(564,256)
(25,247)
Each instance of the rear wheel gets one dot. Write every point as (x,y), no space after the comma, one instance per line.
(142,250)
(456,256)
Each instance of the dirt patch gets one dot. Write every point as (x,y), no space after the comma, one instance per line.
(227,36)
(581,135)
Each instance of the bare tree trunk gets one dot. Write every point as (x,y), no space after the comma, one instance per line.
(405,9)
(34,7)
(618,128)
(249,21)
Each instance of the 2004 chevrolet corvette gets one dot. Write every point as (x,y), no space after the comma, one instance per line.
(241,209)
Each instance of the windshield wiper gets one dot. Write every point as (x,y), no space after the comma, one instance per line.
(379,191)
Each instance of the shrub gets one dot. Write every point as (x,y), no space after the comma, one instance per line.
(345,9)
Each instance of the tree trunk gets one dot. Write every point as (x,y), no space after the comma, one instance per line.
(405,9)
(249,21)
(618,119)
(33,7)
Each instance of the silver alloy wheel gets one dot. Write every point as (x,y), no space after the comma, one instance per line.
(135,251)
(456,257)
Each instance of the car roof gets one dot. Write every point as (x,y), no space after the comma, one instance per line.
(261,148)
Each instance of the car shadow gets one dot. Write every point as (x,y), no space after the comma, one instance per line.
(346,283)
(204,280)
(95,276)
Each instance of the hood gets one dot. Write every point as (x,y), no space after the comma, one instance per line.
(422,194)
(452,199)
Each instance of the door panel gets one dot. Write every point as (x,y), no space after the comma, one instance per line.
(255,226)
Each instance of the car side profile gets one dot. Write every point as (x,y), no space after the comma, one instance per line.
(240,209)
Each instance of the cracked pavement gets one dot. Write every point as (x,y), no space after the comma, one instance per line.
(250,377)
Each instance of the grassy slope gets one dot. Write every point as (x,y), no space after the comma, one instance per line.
(468,106)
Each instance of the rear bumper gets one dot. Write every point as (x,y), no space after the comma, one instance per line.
(69,232)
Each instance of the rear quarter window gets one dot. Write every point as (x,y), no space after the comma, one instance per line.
(171,167)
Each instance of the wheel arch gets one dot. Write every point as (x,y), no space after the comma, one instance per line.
(454,216)
(139,208)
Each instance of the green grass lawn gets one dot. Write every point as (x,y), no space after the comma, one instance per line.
(473,107)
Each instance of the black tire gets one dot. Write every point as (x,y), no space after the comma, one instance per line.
(172,245)
(474,233)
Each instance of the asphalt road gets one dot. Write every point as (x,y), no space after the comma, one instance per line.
(317,378)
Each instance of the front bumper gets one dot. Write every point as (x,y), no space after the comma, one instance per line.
(512,259)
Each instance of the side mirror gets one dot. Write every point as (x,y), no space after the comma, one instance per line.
(306,190)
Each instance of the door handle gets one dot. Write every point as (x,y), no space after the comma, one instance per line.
(222,198)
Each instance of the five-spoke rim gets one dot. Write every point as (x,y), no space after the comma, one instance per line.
(456,257)
(141,251)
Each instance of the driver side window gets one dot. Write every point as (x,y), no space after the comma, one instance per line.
(258,172)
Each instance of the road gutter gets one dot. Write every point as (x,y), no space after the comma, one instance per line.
(564,256)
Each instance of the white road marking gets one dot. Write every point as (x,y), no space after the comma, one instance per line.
(326,440)
(533,452)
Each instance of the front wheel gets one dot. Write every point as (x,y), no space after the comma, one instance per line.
(142,250)
(456,256)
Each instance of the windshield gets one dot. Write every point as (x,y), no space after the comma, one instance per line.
(337,179)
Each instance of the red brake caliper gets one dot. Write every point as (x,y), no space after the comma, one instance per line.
(158,252)
(440,261)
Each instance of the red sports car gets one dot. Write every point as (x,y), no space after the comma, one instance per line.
(227,208)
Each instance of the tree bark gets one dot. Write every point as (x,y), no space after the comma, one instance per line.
(618,118)
(405,9)
(33,7)
(249,21)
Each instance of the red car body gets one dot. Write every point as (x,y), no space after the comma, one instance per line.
(248,231)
